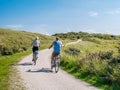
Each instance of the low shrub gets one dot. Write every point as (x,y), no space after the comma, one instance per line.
(72,51)
(106,55)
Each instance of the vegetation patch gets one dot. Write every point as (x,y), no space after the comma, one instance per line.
(72,51)
(97,63)
(12,41)
(6,64)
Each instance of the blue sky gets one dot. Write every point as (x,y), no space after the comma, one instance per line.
(60,16)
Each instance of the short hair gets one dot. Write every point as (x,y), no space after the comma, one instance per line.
(37,37)
(57,38)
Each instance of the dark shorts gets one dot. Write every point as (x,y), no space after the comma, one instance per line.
(54,54)
(35,49)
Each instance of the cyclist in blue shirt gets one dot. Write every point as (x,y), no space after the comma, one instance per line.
(57,44)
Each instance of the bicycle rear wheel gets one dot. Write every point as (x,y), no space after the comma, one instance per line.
(35,58)
(57,66)
(51,65)
(35,62)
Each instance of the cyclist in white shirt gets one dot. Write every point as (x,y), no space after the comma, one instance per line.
(35,45)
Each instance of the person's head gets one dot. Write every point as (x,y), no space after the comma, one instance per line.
(36,37)
(57,38)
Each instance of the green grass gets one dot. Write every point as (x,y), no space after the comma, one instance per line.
(6,63)
(13,41)
(93,63)
(92,79)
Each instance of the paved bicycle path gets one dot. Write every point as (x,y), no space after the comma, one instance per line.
(40,77)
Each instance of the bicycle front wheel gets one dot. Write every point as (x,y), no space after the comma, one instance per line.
(57,67)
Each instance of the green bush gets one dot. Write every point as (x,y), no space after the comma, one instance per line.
(6,51)
(106,55)
(115,60)
(72,51)
(93,40)
(86,36)
(94,64)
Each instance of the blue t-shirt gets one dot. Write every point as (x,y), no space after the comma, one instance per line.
(57,46)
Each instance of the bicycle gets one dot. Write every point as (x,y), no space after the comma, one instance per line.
(35,57)
(56,63)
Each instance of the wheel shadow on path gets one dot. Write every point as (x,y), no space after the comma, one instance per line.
(44,70)
(23,64)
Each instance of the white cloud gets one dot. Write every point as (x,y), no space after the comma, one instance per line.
(93,13)
(40,28)
(114,12)
(17,26)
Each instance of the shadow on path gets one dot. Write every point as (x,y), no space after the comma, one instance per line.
(45,70)
(25,64)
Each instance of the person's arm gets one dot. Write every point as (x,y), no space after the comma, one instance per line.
(61,45)
(32,44)
(50,46)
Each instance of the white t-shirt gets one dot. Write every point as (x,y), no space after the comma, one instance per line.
(36,43)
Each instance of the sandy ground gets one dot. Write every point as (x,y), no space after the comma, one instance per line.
(74,42)
(40,76)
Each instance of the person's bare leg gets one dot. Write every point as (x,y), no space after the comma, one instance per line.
(52,59)
(33,57)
